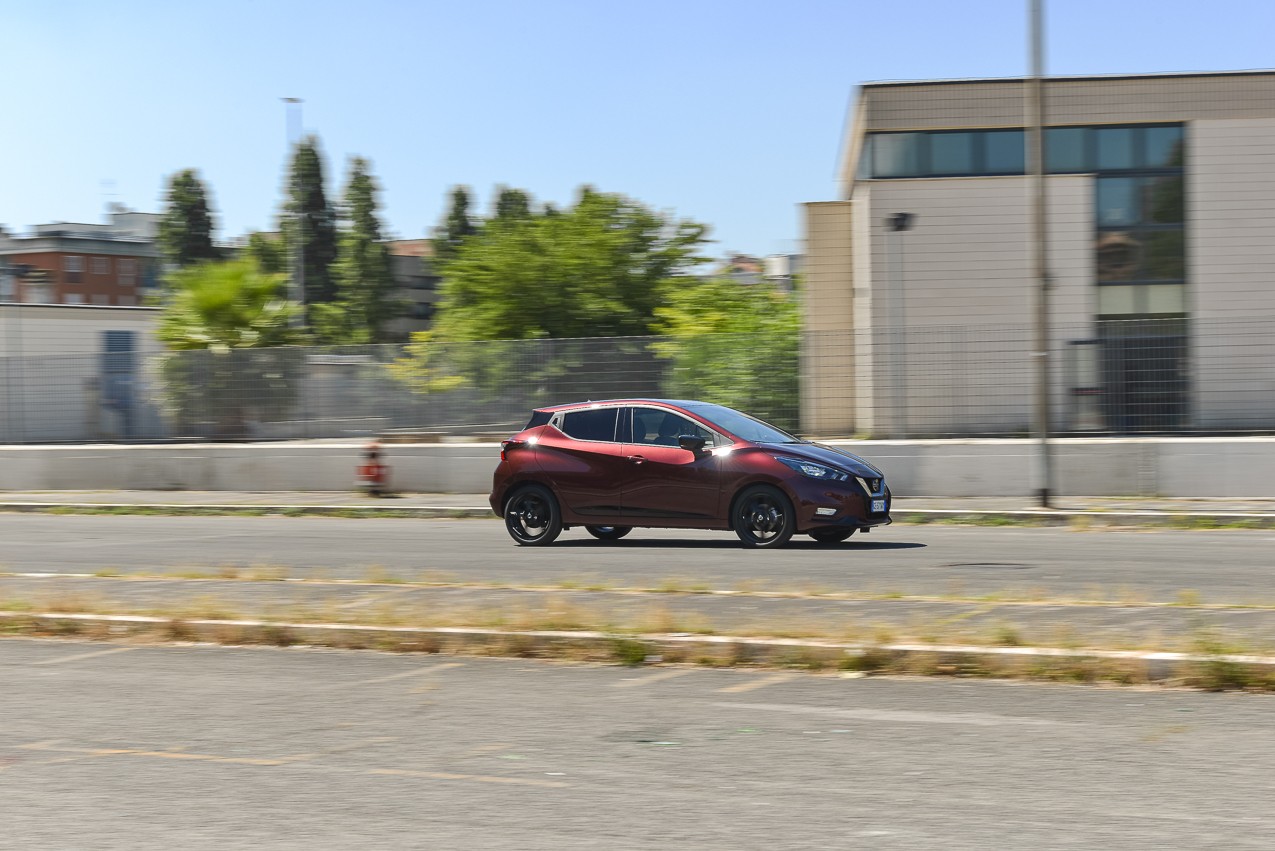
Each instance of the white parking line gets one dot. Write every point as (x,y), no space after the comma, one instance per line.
(78,656)
(653,678)
(414,673)
(758,683)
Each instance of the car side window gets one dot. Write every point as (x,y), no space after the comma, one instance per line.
(656,427)
(597,424)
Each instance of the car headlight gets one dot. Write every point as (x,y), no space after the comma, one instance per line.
(813,470)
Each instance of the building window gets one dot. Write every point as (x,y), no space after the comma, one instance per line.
(101,299)
(127,272)
(1067,150)
(72,298)
(897,155)
(126,301)
(952,153)
(101,266)
(1004,152)
(72,265)
(1115,148)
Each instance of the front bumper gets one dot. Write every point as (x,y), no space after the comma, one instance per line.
(843,505)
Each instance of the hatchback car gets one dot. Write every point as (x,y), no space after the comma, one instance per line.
(612,466)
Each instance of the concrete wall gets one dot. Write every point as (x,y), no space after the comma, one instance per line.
(1231,257)
(827,357)
(1169,467)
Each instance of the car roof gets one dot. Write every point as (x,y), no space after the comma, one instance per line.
(676,403)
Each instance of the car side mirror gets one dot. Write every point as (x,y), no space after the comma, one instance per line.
(691,443)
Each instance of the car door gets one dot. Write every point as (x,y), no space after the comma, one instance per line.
(663,482)
(581,458)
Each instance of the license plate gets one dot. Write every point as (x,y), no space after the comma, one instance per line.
(878,506)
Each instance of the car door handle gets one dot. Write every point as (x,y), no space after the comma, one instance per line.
(636,459)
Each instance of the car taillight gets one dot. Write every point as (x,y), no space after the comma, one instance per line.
(506,446)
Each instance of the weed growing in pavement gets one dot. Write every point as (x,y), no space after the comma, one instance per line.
(1007,635)
(630,652)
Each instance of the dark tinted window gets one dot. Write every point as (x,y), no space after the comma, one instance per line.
(590,424)
(952,153)
(1164,202)
(1166,256)
(663,428)
(1116,147)
(1067,150)
(1165,147)
(897,154)
(538,418)
(1118,201)
(1119,256)
(1003,152)
(741,425)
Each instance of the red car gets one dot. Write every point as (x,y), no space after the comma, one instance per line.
(611,466)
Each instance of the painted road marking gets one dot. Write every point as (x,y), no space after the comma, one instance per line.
(480,778)
(973,719)
(78,656)
(632,682)
(413,673)
(758,683)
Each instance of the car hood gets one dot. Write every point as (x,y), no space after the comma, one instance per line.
(822,454)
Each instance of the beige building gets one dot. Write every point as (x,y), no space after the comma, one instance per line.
(1161,232)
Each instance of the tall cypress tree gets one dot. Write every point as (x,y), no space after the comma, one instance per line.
(186,226)
(512,205)
(311,222)
(365,282)
(456,228)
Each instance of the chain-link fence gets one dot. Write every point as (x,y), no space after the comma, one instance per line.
(1109,378)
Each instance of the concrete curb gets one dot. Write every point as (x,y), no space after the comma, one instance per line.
(642,648)
(1034,517)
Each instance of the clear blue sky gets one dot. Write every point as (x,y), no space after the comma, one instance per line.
(730,112)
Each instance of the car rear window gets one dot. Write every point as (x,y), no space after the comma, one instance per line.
(538,418)
(590,424)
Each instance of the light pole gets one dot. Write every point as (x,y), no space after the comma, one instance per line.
(296,253)
(1040,263)
(897,224)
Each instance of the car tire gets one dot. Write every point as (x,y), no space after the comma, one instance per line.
(532,516)
(763,517)
(832,536)
(608,533)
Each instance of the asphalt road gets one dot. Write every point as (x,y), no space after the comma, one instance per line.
(1231,566)
(112,747)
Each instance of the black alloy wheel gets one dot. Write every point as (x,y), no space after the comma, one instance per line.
(532,516)
(608,533)
(832,536)
(764,518)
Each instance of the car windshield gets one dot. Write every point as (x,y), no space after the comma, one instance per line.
(741,425)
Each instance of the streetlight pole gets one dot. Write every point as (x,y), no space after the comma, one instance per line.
(1040,261)
(897,224)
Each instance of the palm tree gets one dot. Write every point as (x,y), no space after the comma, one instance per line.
(228,325)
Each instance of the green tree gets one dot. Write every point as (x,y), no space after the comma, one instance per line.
(227,305)
(594,270)
(512,205)
(311,222)
(269,253)
(733,344)
(186,225)
(457,227)
(365,281)
(228,326)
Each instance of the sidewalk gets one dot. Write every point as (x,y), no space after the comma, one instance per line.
(1122,510)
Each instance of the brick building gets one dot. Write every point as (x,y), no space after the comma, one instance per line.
(114,264)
